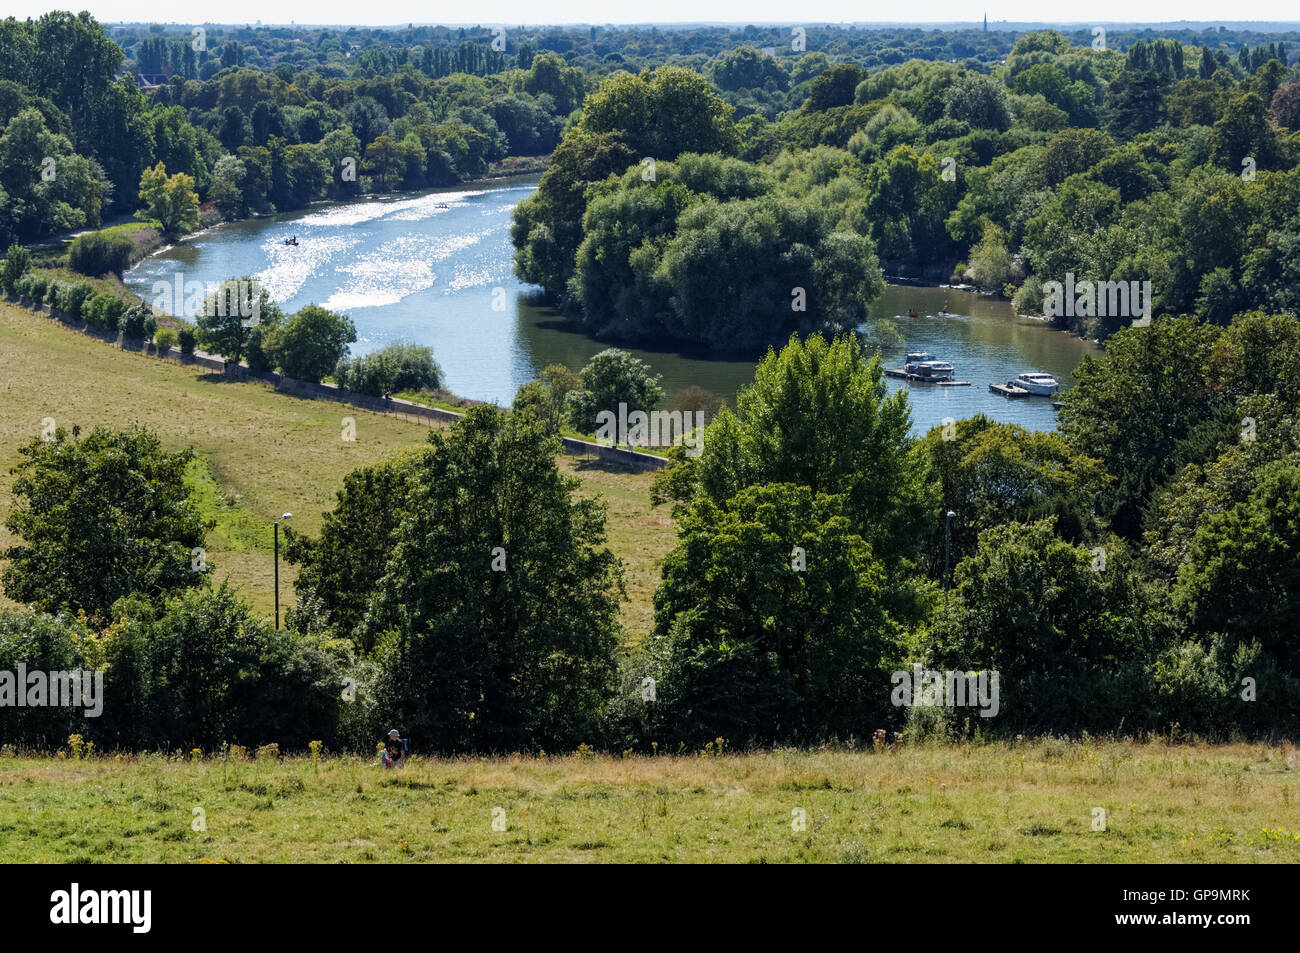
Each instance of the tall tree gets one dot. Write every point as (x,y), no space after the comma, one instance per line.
(100,517)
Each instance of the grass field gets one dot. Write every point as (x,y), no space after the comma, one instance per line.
(262,452)
(1031,802)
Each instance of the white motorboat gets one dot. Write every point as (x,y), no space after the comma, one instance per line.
(927,367)
(1036,382)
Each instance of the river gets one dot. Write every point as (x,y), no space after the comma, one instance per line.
(405,268)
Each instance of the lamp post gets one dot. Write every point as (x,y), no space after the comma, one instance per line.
(947,553)
(276,525)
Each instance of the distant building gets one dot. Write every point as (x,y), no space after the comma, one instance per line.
(769,51)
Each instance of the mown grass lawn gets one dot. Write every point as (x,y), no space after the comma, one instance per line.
(1032,802)
(262,452)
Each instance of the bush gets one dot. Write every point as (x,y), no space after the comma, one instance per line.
(396,367)
(52,292)
(311,343)
(166,339)
(203,670)
(51,644)
(139,323)
(103,311)
(17,261)
(112,307)
(73,297)
(186,338)
(610,378)
(100,253)
(31,286)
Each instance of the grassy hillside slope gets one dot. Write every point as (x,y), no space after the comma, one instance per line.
(262,452)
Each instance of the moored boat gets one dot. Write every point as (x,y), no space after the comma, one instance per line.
(927,367)
(1036,382)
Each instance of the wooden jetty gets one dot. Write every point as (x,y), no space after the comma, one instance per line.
(917,379)
(1009,390)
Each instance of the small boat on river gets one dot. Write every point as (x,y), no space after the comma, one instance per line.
(1038,383)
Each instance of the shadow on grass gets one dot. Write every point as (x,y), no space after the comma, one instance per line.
(582,464)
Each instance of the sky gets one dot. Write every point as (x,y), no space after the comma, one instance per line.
(519,12)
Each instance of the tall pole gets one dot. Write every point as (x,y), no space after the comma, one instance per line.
(277,565)
(947,558)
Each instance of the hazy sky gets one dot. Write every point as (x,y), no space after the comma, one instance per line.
(515,12)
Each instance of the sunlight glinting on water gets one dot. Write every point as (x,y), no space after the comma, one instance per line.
(407,270)
(290,267)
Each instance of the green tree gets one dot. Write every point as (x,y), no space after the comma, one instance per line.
(755,641)
(746,274)
(1130,409)
(475,653)
(992,473)
(610,378)
(819,415)
(235,319)
(1067,628)
(100,517)
(170,200)
(200,671)
(662,114)
(1245,131)
(341,568)
(1242,574)
(547,226)
(311,343)
(17,261)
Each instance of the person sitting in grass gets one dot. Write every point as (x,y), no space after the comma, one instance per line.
(394,755)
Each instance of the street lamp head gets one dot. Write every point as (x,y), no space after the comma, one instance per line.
(286,516)
(951,514)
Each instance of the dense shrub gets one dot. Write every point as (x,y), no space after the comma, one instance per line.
(166,339)
(31,286)
(103,311)
(396,367)
(42,643)
(203,670)
(111,308)
(72,298)
(17,261)
(100,253)
(139,323)
(186,338)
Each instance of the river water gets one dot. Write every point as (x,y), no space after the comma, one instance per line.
(406,269)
